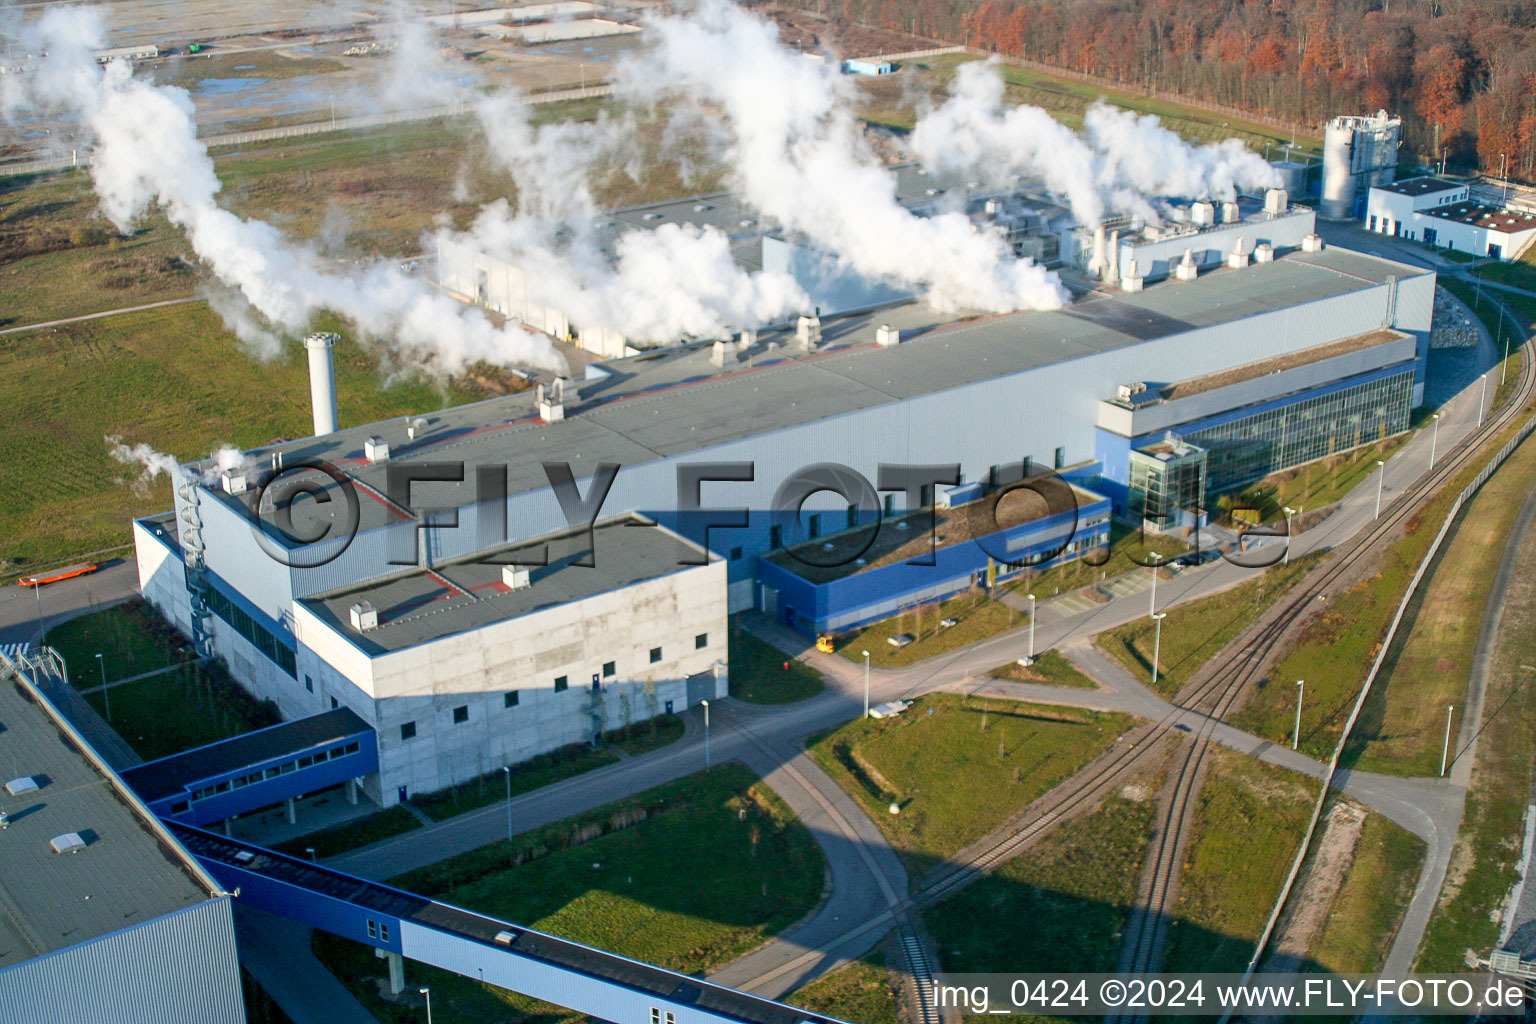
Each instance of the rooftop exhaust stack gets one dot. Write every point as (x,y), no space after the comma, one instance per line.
(808,332)
(1237,259)
(1112,260)
(364,616)
(322,381)
(515,577)
(1276,201)
(1096,261)
(887,336)
(551,401)
(1131,280)
(1312,243)
(1264,253)
(1229,213)
(1186,269)
(376,449)
(1202,214)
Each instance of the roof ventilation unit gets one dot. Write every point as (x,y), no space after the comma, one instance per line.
(1131,280)
(233,481)
(25,784)
(887,336)
(69,842)
(516,577)
(1276,201)
(808,332)
(551,401)
(1237,259)
(1229,213)
(1312,243)
(1186,269)
(1130,391)
(1264,253)
(1202,214)
(376,449)
(414,426)
(364,617)
(745,340)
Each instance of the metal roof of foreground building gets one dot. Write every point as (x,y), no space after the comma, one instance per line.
(677,401)
(128,872)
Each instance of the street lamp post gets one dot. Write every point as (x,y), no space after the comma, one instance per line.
(1031,626)
(706,733)
(1504,366)
(106,694)
(507,771)
(1301,690)
(1157,642)
(428,993)
(311,851)
(1288,513)
(1156,557)
(1482,400)
(1445,751)
(866,683)
(38,593)
(1434,439)
(1381,472)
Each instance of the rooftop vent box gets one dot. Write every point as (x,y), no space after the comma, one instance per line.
(1276,201)
(1129,391)
(376,449)
(364,616)
(516,577)
(25,784)
(69,842)
(234,481)
(887,336)
(1202,214)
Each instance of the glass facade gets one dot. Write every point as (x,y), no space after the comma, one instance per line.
(1166,478)
(1247,448)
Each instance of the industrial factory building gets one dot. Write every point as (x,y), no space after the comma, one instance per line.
(1442,213)
(104,915)
(473,619)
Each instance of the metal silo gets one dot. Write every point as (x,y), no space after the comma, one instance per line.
(1358,152)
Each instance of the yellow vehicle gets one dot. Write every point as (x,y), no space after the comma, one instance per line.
(824,643)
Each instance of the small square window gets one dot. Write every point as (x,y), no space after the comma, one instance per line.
(735,554)
(655,655)
(701,641)
(509,700)
(309,684)
(461,714)
(408,730)
(335,703)
(610,669)
(561,682)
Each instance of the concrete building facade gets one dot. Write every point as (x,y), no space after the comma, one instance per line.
(1441,213)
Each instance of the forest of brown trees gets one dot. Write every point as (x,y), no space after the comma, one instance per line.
(1462,73)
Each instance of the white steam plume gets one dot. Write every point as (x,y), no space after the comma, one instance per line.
(1120,162)
(147,153)
(153,463)
(796,153)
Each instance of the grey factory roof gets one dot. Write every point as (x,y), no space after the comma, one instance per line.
(456,596)
(126,874)
(1418,186)
(675,401)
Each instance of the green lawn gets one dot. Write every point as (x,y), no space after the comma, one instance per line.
(1363,917)
(860,992)
(1248,823)
(546,769)
(1315,485)
(959,767)
(598,878)
(1195,631)
(763,674)
(353,834)
(1075,888)
(1049,668)
(185,708)
(131,637)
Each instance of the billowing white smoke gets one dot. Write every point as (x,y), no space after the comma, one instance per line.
(153,463)
(796,153)
(1118,164)
(147,153)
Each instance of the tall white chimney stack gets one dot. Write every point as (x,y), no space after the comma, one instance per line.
(322,382)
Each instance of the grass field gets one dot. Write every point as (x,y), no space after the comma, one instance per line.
(977,616)
(1248,823)
(1335,648)
(762,674)
(546,769)
(1195,631)
(1075,888)
(131,637)
(172,378)
(1316,484)
(621,890)
(860,992)
(959,767)
(1485,861)
(1364,914)
(1049,668)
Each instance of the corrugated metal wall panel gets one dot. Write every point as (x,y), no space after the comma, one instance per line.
(177,969)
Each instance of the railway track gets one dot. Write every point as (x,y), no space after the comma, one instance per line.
(1213,693)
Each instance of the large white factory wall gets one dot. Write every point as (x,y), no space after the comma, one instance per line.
(1388,215)
(424,684)
(162,578)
